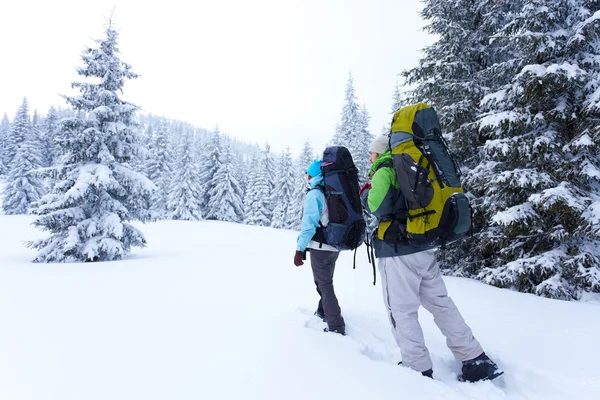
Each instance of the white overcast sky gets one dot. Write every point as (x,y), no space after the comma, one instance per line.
(262,69)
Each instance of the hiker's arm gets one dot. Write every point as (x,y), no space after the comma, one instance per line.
(313,207)
(378,200)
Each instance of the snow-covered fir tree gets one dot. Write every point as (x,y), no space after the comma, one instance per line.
(209,165)
(141,160)
(4,138)
(226,197)
(352,131)
(536,186)
(300,186)
(160,168)
(97,192)
(453,75)
(397,100)
(261,209)
(23,187)
(284,190)
(185,197)
(20,129)
(250,193)
(49,128)
(361,155)
(270,175)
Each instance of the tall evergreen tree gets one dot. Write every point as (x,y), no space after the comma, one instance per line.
(284,191)
(160,168)
(300,185)
(49,129)
(270,175)
(453,75)
(261,209)
(535,187)
(352,131)
(97,192)
(361,154)
(397,100)
(226,202)
(5,136)
(185,198)
(20,130)
(210,164)
(251,192)
(23,187)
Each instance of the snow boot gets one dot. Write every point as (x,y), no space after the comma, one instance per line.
(341,331)
(428,373)
(480,368)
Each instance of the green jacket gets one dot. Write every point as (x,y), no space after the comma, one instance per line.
(386,202)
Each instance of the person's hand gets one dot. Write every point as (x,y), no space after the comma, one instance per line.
(298,258)
(365,187)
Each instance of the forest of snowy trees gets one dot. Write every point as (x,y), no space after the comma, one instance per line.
(88,169)
(516,85)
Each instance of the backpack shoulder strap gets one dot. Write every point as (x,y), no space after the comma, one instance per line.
(320,188)
(388,164)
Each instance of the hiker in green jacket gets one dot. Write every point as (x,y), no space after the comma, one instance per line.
(411,278)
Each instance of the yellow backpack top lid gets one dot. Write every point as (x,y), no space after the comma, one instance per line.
(438,210)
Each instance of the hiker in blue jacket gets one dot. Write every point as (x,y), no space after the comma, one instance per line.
(322,256)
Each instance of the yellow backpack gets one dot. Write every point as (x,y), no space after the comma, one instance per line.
(438,210)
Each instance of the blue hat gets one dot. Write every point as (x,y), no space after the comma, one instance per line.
(314,168)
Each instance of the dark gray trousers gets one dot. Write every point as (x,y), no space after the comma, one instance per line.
(323,266)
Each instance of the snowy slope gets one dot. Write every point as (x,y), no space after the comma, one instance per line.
(218,311)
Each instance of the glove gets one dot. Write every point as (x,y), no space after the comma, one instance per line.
(365,187)
(298,258)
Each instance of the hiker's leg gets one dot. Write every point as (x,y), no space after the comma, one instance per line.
(400,287)
(323,266)
(434,297)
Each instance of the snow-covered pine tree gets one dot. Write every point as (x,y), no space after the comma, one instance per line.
(226,202)
(49,128)
(397,101)
(240,167)
(361,154)
(352,131)
(160,168)
(97,192)
(300,185)
(23,187)
(20,130)
(5,136)
(270,176)
(451,77)
(284,191)
(185,198)
(537,185)
(250,193)
(140,161)
(261,209)
(209,165)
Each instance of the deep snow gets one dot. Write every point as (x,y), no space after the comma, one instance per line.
(215,310)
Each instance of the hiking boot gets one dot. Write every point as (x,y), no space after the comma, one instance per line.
(480,368)
(341,331)
(428,373)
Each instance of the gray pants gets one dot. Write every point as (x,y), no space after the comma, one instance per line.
(323,266)
(411,281)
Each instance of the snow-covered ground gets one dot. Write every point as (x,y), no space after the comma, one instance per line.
(218,311)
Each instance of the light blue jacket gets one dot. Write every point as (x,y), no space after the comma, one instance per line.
(313,210)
